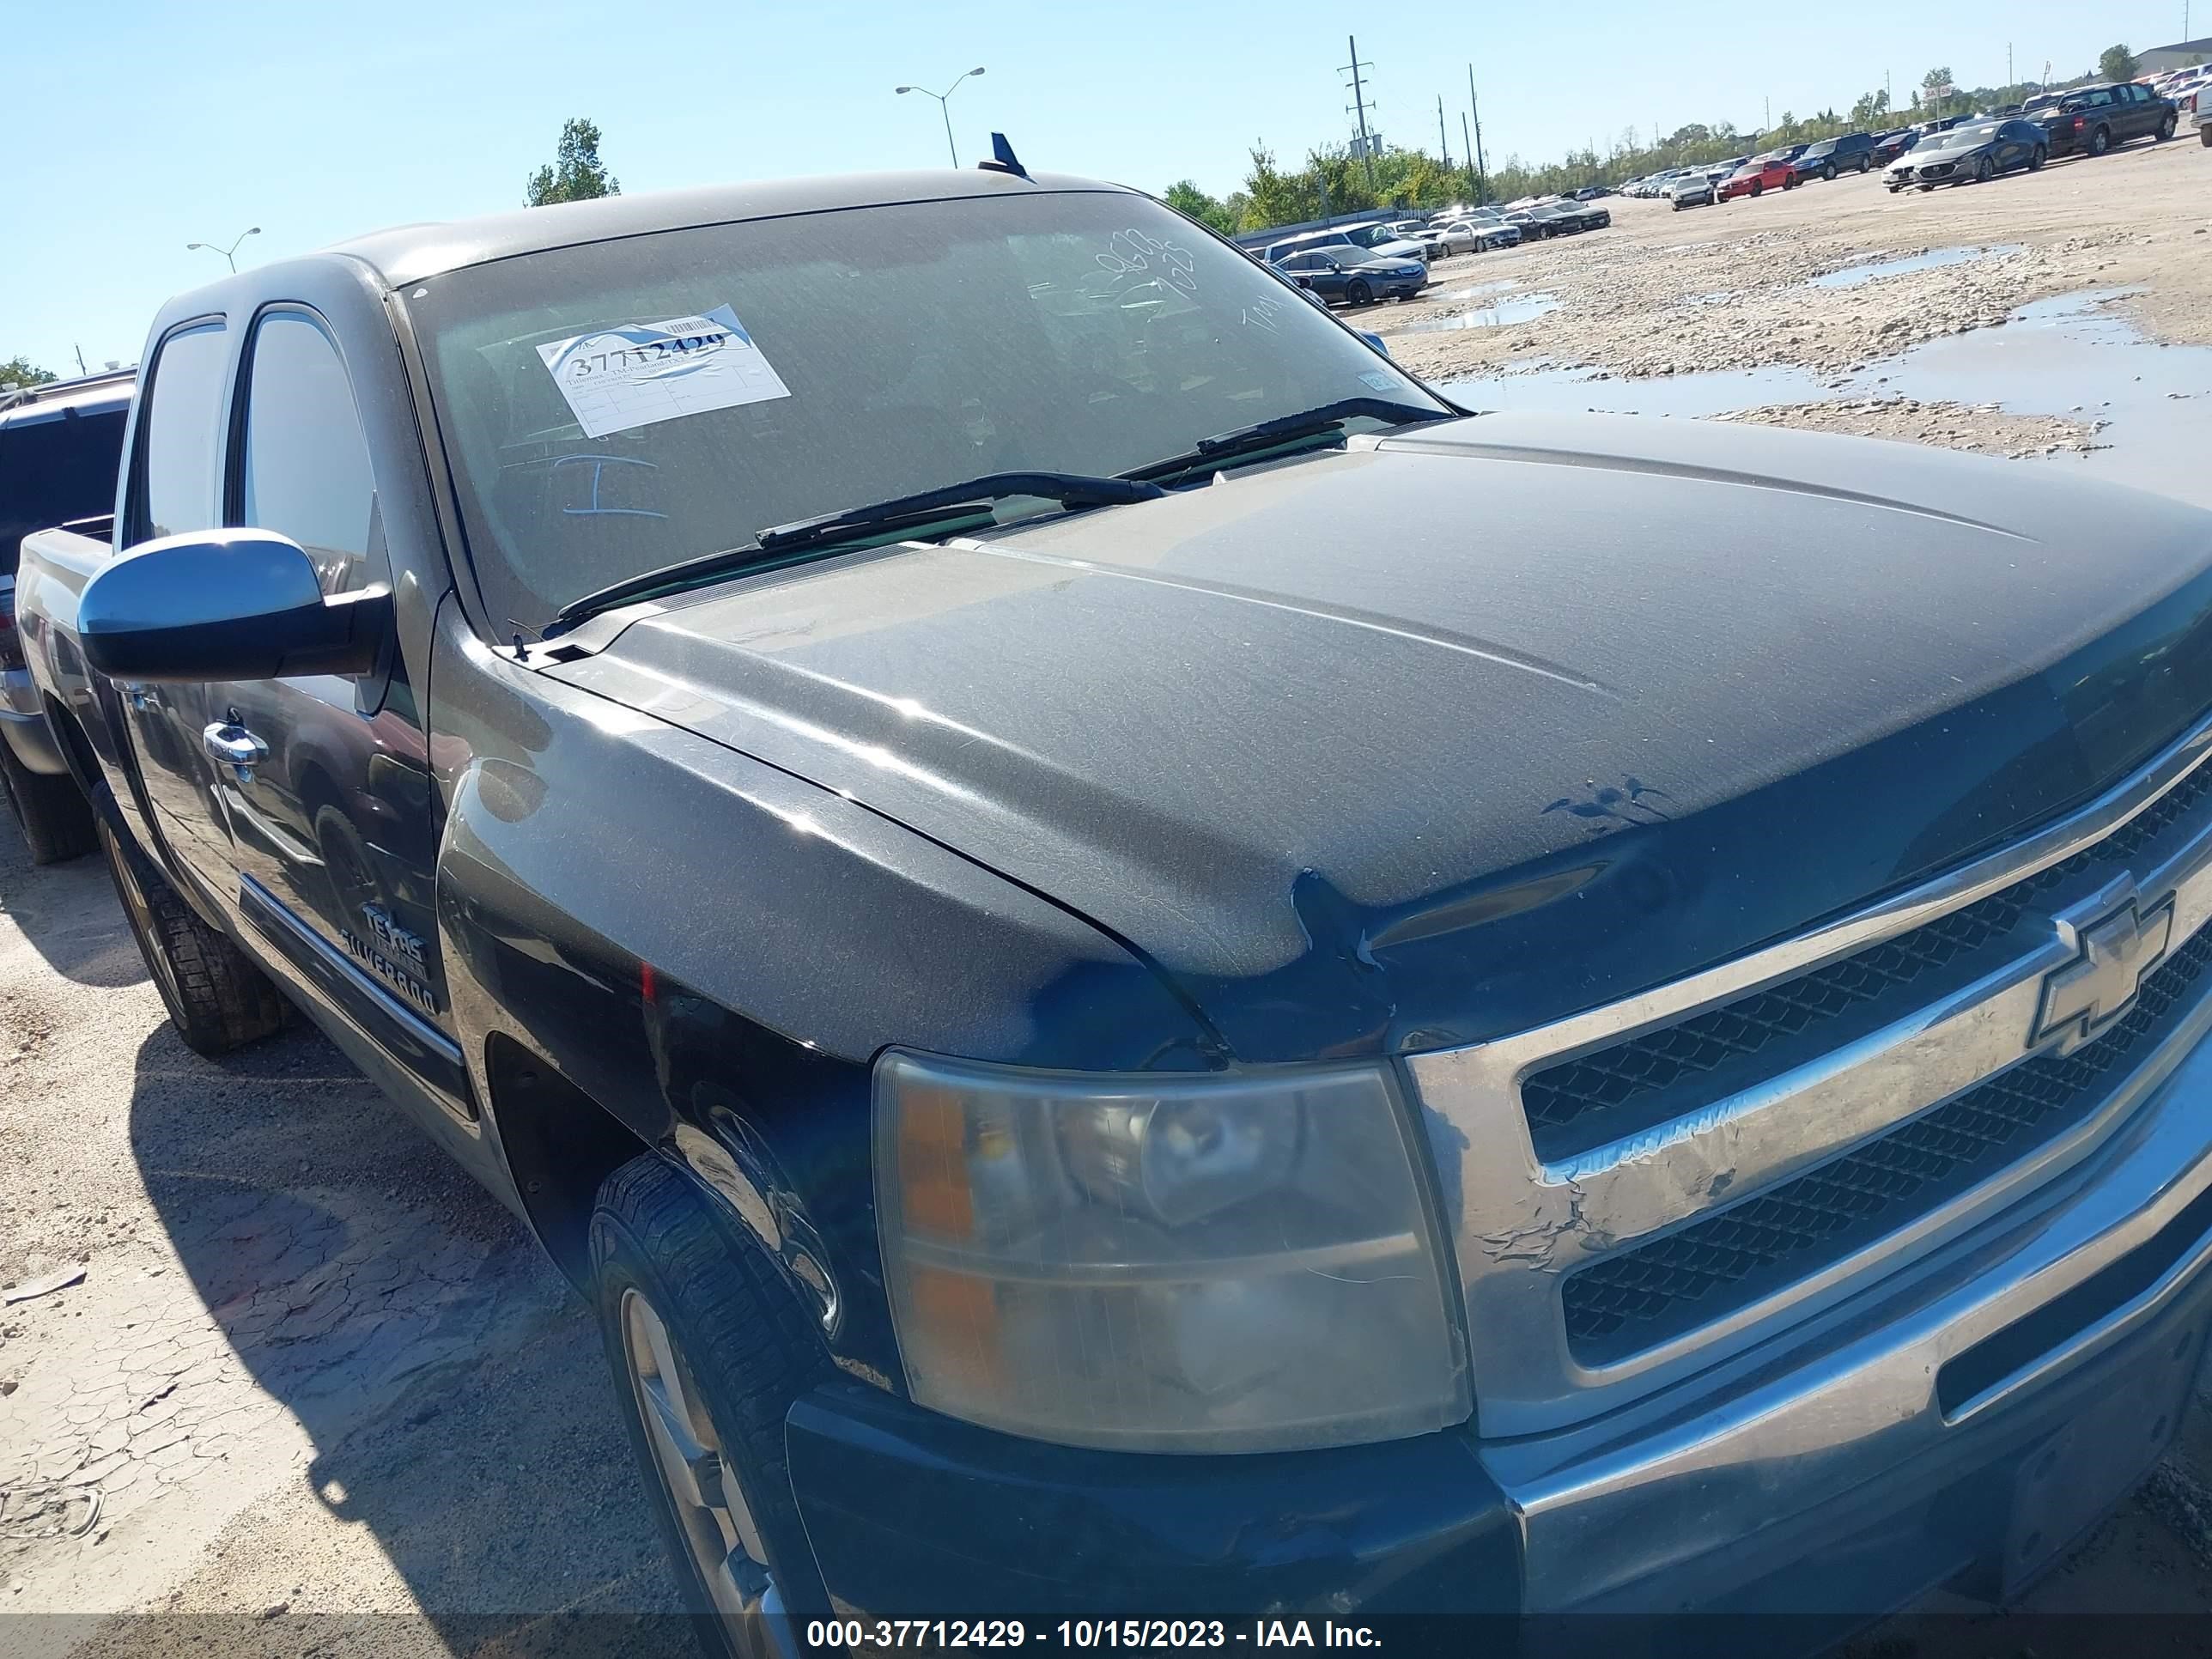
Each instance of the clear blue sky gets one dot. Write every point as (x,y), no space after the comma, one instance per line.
(173,122)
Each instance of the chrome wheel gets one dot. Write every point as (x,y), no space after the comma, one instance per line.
(709,1502)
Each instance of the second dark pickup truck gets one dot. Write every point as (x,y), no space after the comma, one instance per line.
(1103,1034)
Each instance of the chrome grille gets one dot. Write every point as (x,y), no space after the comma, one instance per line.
(1626,1301)
(1617,1091)
(1640,1191)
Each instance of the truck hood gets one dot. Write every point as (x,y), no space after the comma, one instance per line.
(1362,769)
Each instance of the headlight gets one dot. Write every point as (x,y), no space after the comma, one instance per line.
(1203,1263)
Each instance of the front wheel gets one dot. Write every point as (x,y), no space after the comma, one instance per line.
(709,1349)
(2036,158)
(215,998)
(52,812)
(1828,173)
(1984,170)
(1757,185)
(1357,293)
(2165,127)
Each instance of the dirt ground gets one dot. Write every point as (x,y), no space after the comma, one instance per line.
(314,1392)
(1661,292)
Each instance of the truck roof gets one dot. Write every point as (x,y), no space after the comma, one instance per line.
(408,253)
(54,400)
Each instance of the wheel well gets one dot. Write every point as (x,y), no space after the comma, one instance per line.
(560,1146)
(77,755)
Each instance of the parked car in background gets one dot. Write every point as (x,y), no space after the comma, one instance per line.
(2204,122)
(1369,237)
(2090,120)
(59,447)
(1486,229)
(1852,153)
(1354,275)
(1592,192)
(1894,143)
(1690,190)
(1971,154)
(1585,215)
(1758,175)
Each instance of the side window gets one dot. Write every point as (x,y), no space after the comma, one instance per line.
(177,445)
(306,470)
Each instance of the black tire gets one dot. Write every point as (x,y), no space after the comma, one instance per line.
(1756,186)
(1984,170)
(1357,293)
(217,999)
(1864,163)
(2100,140)
(1828,173)
(751,1348)
(2036,158)
(54,816)
(2204,133)
(2165,128)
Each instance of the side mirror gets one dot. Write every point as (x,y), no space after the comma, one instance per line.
(1375,340)
(225,605)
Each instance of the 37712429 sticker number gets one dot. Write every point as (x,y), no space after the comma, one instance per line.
(633,374)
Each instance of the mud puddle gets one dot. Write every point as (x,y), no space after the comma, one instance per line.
(2061,357)
(1500,313)
(1934,259)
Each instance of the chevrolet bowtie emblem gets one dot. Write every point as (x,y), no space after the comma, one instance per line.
(2089,993)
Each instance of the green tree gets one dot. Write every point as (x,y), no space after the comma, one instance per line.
(1871,107)
(1187,198)
(22,371)
(2116,63)
(577,175)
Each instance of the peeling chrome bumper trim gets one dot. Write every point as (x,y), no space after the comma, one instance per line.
(1602,1510)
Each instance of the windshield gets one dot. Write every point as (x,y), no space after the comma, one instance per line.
(880,352)
(1371,235)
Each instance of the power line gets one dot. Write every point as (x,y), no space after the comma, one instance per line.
(1359,106)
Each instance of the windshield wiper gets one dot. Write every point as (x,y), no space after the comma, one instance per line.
(969,500)
(1285,428)
(1068,488)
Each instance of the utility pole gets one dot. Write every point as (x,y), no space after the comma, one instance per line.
(1359,107)
(79,350)
(2009,80)
(1467,146)
(1443,137)
(1482,170)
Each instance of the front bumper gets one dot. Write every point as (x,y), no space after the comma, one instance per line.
(1963,1442)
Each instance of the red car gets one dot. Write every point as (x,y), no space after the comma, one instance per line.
(1760,174)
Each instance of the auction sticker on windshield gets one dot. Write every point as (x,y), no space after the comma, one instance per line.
(636,374)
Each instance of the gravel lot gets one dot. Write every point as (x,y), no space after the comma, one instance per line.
(315,1391)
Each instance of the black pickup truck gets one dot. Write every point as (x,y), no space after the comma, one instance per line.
(1103,1039)
(59,445)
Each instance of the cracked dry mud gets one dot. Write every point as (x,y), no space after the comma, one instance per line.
(309,1363)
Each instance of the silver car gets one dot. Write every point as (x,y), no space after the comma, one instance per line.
(1690,189)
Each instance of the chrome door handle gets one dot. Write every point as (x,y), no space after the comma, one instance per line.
(235,747)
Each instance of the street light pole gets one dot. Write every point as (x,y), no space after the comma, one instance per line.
(227,252)
(944,109)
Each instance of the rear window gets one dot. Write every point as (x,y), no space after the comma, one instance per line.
(53,471)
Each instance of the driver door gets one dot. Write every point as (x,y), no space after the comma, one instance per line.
(327,793)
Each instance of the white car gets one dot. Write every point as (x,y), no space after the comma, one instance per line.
(1489,228)
(1694,188)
